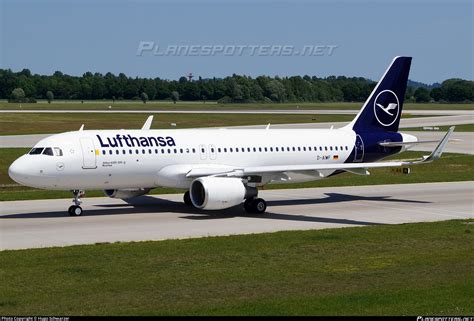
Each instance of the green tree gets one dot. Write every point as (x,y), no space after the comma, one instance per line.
(144,97)
(436,94)
(174,96)
(458,90)
(49,96)
(275,91)
(18,95)
(422,95)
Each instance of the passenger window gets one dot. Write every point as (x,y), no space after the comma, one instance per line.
(124,151)
(110,152)
(304,149)
(117,152)
(219,150)
(248,149)
(330,148)
(149,151)
(294,149)
(194,150)
(130,151)
(271,149)
(335,148)
(103,152)
(276,149)
(36,151)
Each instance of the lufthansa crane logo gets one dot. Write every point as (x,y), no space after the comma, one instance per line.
(386,107)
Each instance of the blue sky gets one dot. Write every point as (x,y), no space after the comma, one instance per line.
(101,36)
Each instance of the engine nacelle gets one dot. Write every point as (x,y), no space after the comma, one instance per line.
(217,193)
(126,193)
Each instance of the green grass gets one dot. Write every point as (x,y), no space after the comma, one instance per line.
(182,105)
(459,128)
(451,167)
(408,269)
(19,124)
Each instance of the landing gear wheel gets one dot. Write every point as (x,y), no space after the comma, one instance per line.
(187,199)
(75,210)
(259,205)
(255,205)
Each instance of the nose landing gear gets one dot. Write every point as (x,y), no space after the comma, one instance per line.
(76,210)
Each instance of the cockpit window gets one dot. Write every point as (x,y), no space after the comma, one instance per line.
(48,151)
(36,151)
(58,151)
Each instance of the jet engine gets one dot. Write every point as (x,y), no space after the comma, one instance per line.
(217,193)
(126,193)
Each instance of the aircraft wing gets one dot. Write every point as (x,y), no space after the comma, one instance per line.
(357,168)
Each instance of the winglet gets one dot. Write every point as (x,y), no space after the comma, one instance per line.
(82,127)
(147,124)
(268,127)
(438,151)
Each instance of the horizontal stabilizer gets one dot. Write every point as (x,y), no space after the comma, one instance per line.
(401,144)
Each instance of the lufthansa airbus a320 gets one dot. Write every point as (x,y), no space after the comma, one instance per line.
(222,168)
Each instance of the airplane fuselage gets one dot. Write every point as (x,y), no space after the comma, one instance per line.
(114,159)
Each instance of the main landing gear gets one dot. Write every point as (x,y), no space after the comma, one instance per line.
(255,205)
(76,210)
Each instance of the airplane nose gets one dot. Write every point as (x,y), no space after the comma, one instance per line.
(16,171)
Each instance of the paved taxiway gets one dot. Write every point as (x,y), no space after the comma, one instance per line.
(44,223)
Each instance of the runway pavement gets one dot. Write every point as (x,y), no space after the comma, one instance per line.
(44,223)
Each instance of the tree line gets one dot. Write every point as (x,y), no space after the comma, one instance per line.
(24,86)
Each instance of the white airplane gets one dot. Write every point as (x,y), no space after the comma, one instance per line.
(222,168)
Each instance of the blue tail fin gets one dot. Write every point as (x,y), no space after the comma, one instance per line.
(383,108)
